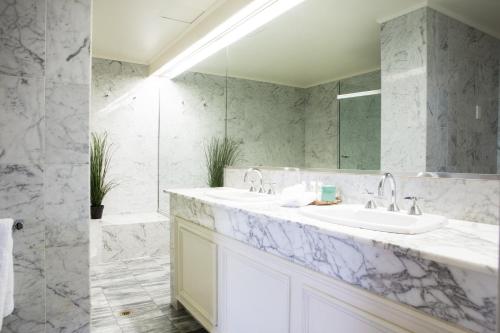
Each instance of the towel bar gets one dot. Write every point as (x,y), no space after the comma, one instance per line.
(18,225)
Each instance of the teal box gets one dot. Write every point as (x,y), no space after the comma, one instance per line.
(328,193)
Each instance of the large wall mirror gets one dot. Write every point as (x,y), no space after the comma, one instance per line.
(310,89)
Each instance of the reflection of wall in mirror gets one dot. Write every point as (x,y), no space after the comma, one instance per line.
(435,71)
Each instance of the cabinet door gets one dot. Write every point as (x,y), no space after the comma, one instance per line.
(253,297)
(325,314)
(196,272)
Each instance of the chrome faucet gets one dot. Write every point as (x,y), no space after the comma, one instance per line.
(252,183)
(393,206)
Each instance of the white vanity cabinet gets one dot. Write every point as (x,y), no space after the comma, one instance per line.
(196,271)
(253,297)
(234,288)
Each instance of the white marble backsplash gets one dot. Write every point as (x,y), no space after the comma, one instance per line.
(476,200)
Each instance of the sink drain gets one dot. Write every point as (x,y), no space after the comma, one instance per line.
(125,313)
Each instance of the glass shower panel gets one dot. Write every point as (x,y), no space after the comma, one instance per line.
(359,133)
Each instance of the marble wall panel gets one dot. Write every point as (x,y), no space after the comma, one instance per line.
(125,105)
(498,131)
(321,126)
(435,72)
(267,120)
(67,121)
(66,185)
(22,121)
(192,111)
(463,65)
(403,69)
(21,197)
(68,41)
(22,62)
(111,79)
(22,46)
(44,77)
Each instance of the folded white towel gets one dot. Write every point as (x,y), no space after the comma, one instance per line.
(296,196)
(6,269)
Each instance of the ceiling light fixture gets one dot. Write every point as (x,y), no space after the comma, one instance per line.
(248,19)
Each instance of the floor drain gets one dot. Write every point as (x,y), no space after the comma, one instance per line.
(125,313)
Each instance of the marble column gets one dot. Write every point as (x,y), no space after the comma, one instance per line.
(66,177)
(44,89)
(436,71)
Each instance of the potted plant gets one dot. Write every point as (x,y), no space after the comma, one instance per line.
(100,158)
(219,154)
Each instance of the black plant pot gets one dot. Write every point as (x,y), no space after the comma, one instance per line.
(96,212)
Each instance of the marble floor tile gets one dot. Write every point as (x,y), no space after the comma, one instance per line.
(156,325)
(142,288)
(102,317)
(125,295)
(114,278)
(107,329)
(159,292)
(136,312)
(145,277)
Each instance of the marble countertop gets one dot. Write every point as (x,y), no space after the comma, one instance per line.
(467,245)
(449,273)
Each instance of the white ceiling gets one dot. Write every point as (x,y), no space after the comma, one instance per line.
(323,40)
(138,30)
(315,42)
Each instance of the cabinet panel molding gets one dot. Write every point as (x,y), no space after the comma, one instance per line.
(253,297)
(321,311)
(196,269)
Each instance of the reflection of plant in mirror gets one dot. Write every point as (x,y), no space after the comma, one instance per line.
(220,153)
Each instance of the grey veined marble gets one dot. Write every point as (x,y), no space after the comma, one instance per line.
(267,120)
(476,200)
(22,46)
(430,272)
(44,98)
(437,73)
(126,106)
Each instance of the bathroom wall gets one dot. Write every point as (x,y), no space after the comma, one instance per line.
(358,117)
(126,106)
(498,132)
(444,196)
(44,103)
(437,69)
(192,110)
(463,69)
(267,120)
(321,126)
(403,75)
(276,125)
(359,137)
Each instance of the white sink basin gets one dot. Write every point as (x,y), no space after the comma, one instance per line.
(232,194)
(375,219)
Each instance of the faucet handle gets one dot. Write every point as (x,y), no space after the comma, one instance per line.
(414,209)
(252,186)
(370,204)
(271,188)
